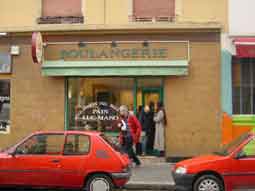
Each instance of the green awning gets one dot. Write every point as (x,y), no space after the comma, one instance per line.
(115,68)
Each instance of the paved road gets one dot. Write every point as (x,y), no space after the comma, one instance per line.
(147,175)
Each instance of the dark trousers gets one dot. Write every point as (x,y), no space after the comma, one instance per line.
(131,153)
(150,140)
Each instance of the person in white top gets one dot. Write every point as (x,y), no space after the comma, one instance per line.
(160,124)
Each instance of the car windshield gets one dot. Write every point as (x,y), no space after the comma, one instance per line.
(112,142)
(10,148)
(229,148)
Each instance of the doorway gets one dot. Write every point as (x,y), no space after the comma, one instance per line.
(150,95)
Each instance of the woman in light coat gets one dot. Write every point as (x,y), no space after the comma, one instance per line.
(160,123)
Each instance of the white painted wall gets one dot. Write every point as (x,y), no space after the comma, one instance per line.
(242,17)
(227,43)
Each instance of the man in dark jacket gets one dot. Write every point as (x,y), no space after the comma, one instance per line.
(146,122)
(150,129)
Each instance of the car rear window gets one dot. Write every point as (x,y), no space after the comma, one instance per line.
(112,142)
(77,145)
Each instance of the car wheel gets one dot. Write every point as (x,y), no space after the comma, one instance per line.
(208,183)
(99,182)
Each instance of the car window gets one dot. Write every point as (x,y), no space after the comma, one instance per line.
(42,144)
(249,149)
(112,142)
(229,148)
(77,145)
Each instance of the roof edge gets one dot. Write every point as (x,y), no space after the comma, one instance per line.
(126,28)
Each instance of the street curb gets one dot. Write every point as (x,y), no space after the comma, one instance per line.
(149,186)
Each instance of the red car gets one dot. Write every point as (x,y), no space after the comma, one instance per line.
(70,159)
(233,167)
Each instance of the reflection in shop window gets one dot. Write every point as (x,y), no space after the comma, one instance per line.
(5,106)
(94,102)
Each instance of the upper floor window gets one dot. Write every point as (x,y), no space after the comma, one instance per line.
(243,83)
(151,10)
(61,11)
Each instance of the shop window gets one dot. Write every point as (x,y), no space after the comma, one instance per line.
(61,11)
(77,145)
(243,72)
(93,103)
(151,10)
(5,106)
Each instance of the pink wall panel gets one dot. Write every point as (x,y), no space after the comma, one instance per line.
(61,8)
(156,8)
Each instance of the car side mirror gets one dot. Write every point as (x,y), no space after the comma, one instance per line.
(241,155)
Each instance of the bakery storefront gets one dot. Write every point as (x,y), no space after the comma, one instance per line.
(83,78)
(103,75)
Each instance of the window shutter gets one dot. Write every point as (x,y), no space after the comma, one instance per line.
(61,8)
(154,8)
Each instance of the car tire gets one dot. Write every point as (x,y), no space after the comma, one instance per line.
(98,182)
(208,182)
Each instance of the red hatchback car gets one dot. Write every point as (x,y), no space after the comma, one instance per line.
(233,167)
(70,159)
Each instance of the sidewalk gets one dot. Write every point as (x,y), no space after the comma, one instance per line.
(154,174)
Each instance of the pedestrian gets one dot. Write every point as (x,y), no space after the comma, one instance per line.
(160,123)
(146,122)
(151,129)
(139,112)
(126,140)
(133,125)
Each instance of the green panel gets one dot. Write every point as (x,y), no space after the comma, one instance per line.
(226,81)
(131,63)
(135,96)
(66,105)
(244,120)
(115,68)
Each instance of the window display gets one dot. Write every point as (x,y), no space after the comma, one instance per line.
(93,103)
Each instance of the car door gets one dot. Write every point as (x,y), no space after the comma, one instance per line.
(243,167)
(76,154)
(36,162)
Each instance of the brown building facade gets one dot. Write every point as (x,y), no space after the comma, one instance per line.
(86,75)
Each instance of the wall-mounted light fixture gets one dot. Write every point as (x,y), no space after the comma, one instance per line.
(82,44)
(15,50)
(114,44)
(3,33)
(145,43)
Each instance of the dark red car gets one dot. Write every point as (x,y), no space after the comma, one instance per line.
(70,159)
(231,168)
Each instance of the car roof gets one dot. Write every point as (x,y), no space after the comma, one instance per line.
(90,133)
